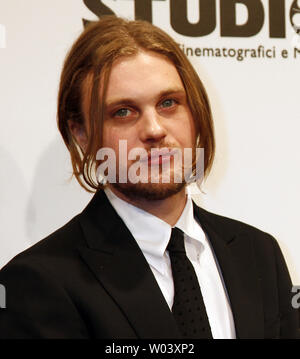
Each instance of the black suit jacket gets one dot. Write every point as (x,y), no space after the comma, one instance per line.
(89,279)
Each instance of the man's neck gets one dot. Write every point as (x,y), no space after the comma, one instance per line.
(168,210)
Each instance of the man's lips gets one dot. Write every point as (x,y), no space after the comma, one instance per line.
(158,156)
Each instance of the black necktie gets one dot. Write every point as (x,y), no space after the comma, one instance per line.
(188,307)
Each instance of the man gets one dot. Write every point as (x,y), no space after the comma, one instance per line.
(113,271)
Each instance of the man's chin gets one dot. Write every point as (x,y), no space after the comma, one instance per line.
(149,191)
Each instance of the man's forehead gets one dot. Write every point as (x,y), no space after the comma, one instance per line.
(115,79)
(145,75)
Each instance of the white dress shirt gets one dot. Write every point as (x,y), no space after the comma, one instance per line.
(152,235)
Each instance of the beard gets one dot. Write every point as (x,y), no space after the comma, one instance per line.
(167,180)
(149,191)
(162,187)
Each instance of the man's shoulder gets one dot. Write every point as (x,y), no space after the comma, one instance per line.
(231,226)
(243,236)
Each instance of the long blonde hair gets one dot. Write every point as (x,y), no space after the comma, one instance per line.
(93,54)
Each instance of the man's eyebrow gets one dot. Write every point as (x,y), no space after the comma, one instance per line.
(172,91)
(129,101)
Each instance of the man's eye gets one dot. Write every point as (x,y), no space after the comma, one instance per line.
(168,103)
(122,112)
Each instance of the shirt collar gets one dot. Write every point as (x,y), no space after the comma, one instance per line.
(150,232)
(187,223)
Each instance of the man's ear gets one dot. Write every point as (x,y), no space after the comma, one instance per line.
(79,133)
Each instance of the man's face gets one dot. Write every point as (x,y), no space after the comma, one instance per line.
(146,105)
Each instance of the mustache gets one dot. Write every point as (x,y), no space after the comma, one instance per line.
(146,154)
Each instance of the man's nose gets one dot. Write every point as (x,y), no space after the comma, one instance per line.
(152,127)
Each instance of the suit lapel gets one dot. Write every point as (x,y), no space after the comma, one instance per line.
(114,257)
(235,255)
(120,266)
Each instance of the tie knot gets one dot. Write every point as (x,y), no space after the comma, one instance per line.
(176,242)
